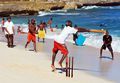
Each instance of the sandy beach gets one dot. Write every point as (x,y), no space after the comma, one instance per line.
(18,65)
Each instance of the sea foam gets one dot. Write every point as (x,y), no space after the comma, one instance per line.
(92,39)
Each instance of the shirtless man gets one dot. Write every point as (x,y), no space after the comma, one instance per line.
(31,34)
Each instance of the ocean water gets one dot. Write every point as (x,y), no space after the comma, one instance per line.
(91,17)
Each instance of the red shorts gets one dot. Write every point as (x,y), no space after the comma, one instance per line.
(61,47)
(31,37)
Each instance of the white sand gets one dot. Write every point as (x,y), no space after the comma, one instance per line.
(20,66)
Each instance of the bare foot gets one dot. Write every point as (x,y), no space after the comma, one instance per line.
(60,65)
(53,68)
(112,58)
(100,56)
(35,51)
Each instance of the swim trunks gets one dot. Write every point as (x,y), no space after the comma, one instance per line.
(31,37)
(61,47)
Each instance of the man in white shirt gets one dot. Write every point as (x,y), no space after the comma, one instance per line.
(9,31)
(59,41)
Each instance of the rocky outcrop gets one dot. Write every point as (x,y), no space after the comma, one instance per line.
(16,13)
(103,4)
(70,5)
(33,7)
(28,8)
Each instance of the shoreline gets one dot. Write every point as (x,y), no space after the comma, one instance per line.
(22,38)
(16,8)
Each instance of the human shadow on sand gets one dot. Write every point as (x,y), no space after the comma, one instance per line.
(85,70)
(79,45)
(12,46)
(106,57)
(61,70)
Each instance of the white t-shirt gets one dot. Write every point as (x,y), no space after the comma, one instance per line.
(8,26)
(64,34)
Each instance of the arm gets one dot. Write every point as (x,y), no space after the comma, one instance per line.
(37,29)
(6,30)
(5,27)
(104,39)
(82,30)
(110,39)
(45,30)
(13,30)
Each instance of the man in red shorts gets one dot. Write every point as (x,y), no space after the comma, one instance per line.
(59,42)
(31,34)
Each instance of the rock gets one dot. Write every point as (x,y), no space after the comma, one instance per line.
(70,5)
(21,7)
(27,8)
(103,4)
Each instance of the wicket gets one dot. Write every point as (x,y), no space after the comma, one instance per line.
(69,66)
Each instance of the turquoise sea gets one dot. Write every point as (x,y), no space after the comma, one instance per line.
(91,17)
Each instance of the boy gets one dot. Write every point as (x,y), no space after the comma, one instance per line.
(107,40)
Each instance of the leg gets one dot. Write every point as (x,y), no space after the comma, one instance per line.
(64,51)
(53,60)
(111,51)
(2,29)
(112,55)
(61,61)
(43,40)
(28,40)
(55,51)
(26,44)
(34,44)
(38,39)
(101,52)
(7,37)
(11,40)
(103,47)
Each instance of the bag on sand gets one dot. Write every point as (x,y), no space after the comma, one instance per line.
(80,40)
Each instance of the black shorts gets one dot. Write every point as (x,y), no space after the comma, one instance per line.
(104,46)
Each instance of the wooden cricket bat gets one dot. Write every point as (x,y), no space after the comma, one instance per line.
(97,31)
